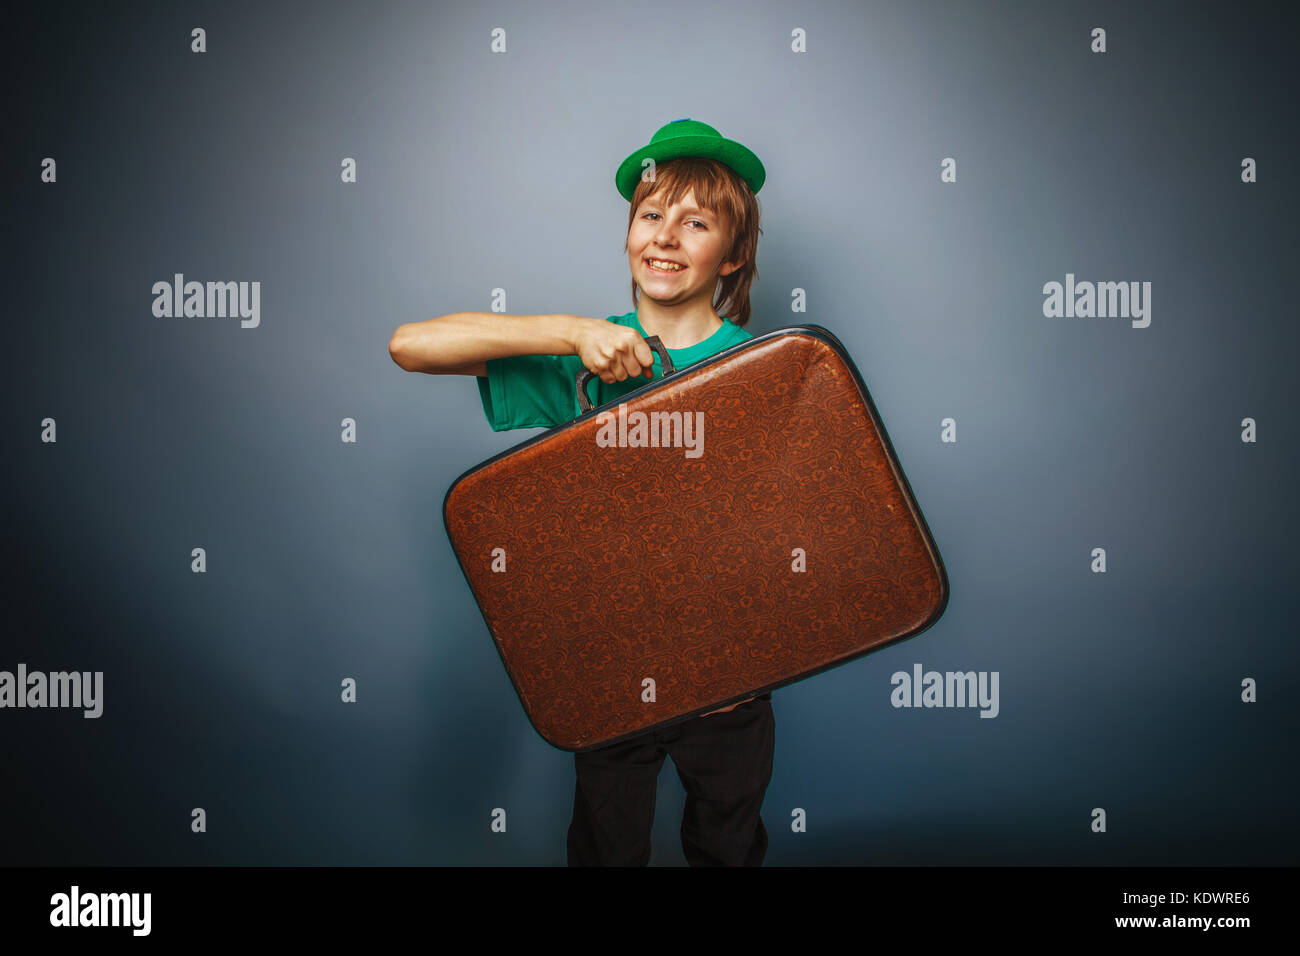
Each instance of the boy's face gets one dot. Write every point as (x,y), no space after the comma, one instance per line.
(694,238)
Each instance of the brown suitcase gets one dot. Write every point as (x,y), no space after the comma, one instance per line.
(639,585)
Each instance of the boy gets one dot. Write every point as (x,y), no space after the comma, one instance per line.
(693,223)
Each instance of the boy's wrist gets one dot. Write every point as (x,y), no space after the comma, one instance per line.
(568,328)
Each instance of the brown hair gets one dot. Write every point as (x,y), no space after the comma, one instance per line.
(719,189)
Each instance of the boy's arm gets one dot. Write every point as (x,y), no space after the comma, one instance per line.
(462,343)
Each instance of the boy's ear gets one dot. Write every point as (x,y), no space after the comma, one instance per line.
(727,268)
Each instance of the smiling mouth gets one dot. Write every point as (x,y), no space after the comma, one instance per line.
(663,272)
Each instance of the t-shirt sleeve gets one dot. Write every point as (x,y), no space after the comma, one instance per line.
(530,391)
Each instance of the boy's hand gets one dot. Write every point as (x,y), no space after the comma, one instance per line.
(612,352)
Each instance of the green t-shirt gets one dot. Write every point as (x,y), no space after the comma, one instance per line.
(537,391)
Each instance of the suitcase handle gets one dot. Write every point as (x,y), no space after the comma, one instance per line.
(581,379)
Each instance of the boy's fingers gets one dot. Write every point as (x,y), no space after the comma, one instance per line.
(643,353)
(643,358)
(633,366)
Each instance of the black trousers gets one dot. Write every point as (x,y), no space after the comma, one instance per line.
(725,763)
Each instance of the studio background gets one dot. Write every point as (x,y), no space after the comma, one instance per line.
(481,170)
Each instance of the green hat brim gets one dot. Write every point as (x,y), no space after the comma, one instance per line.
(739,158)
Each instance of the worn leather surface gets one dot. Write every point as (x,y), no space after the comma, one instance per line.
(631,563)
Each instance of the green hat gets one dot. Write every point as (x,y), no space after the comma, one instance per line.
(688,137)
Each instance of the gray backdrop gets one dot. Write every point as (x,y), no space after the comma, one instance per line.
(478,170)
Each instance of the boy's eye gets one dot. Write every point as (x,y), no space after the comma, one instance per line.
(701,224)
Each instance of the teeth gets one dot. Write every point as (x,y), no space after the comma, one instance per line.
(660,264)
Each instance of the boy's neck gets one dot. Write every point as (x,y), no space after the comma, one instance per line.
(677,330)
